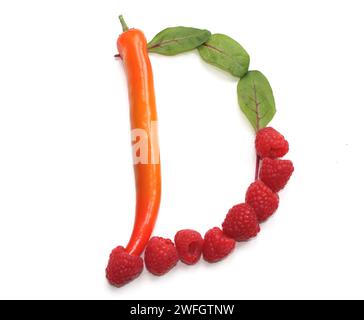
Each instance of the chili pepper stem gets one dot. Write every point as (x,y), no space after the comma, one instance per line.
(123,23)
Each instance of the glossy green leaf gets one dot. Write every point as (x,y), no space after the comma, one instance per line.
(172,41)
(226,54)
(256,99)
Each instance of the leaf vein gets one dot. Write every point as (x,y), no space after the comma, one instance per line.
(165,42)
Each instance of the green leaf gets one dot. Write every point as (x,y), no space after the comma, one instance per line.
(256,99)
(226,54)
(172,41)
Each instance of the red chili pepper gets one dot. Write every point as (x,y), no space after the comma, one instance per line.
(132,47)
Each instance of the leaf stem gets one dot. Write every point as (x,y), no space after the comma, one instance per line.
(257,165)
(257,162)
(123,23)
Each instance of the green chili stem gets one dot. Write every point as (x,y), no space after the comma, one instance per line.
(123,23)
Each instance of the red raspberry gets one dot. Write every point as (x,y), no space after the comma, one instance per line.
(241,223)
(262,199)
(160,256)
(217,245)
(276,173)
(270,143)
(189,244)
(123,267)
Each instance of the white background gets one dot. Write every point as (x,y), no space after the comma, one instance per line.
(66,179)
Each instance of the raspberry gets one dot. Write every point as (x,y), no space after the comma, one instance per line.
(189,244)
(217,245)
(262,199)
(241,223)
(270,143)
(276,173)
(123,267)
(160,256)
